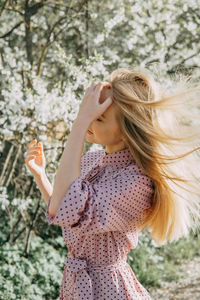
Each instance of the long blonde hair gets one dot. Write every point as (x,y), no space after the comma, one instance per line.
(160,130)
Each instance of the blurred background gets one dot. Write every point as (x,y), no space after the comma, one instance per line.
(50,52)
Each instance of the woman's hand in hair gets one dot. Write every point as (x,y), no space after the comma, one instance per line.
(35,159)
(90,107)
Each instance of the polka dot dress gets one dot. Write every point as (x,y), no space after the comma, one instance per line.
(99,216)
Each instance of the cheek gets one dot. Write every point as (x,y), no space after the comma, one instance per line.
(116,134)
(101,131)
(98,127)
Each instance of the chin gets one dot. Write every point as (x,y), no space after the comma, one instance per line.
(89,140)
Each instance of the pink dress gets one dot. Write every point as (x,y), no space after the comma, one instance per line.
(99,215)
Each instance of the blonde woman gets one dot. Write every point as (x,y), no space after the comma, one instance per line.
(142,179)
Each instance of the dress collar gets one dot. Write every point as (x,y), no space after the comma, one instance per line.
(117,159)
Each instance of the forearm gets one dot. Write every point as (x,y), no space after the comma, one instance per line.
(70,164)
(45,187)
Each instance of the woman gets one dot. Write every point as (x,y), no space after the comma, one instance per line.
(105,198)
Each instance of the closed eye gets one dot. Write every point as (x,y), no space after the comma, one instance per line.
(99,120)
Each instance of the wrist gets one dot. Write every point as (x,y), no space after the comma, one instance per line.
(40,177)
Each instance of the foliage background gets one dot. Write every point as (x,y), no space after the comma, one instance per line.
(50,51)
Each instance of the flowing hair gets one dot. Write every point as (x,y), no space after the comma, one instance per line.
(161,130)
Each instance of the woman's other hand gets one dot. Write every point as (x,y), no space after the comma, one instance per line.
(35,159)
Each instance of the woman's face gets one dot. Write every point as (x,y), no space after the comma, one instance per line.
(105,130)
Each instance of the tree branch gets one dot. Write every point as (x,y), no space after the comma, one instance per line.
(28,33)
(187,58)
(15,10)
(47,44)
(34,8)
(9,32)
(3,7)
(87,29)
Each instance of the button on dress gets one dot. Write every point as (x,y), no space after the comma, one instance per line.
(99,216)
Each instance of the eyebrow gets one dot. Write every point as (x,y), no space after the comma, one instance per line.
(103,116)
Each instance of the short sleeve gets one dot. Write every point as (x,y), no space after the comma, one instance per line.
(113,205)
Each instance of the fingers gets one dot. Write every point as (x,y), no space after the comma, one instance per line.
(33,147)
(92,86)
(31,155)
(102,83)
(98,90)
(97,84)
(97,87)
(33,152)
(28,159)
(106,84)
(32,143)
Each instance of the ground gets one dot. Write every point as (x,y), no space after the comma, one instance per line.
(187,287)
